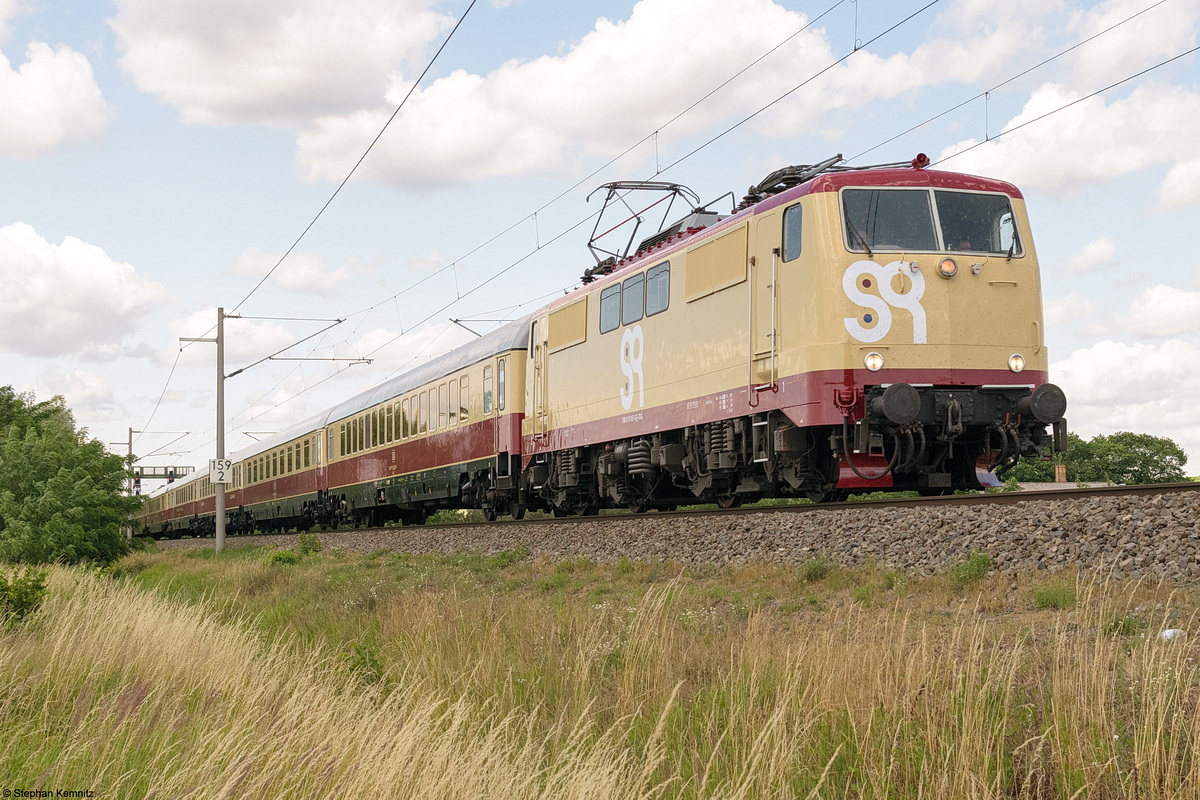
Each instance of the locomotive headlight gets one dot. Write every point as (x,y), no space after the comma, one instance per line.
(873,362)
(1016,362)
(947,267)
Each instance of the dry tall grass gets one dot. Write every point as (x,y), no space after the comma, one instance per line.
(518,692)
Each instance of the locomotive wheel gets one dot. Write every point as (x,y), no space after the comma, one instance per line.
(489,514)
(729,501)
(516,510)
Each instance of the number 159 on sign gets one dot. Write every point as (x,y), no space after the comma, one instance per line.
(220,470)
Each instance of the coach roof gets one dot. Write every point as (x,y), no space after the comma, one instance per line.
(513,336)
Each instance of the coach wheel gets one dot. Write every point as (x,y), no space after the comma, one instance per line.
(516,510)
(489,514)
(729,500)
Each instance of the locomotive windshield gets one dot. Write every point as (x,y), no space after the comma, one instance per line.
(923,219)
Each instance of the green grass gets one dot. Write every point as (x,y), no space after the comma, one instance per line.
(973,569)
(498,675)
(1055,595)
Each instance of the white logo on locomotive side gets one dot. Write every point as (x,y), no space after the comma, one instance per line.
(867,275)
(633,347)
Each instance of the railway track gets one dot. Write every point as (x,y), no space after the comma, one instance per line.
(981,498)
(1130,530)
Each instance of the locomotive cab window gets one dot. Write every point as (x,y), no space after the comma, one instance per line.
(791,233)
(972,222)
(932,220)
(888,219)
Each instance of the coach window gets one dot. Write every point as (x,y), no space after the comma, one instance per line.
(404,417)
(443,405)
(658,289)
(500,384)
(342,439)
(791,233)
(363,433)
(610,308)
(453,402)
(632,299)
(391,423)
(487,391)
(464,399)
(307,454)
(274,465)
(289,460)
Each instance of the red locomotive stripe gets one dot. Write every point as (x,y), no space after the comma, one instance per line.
(806,399)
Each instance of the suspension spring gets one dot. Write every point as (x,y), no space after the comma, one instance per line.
(640,462)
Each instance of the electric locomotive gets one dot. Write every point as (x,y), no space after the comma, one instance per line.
(843,330)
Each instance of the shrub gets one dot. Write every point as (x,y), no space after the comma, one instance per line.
(971,571)
(1057,595)
(21,595)
(816,568)
(308,543)
(283,557)
(1127,624)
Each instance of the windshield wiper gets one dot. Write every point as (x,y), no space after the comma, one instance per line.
(862,240)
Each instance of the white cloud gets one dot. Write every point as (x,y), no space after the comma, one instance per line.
(300,272)
(68,298)
(246,341)
(1089,142)
(1143,388)
(8,10)
(1163,311)
(1145,40)
(49,100)
(1181,187)
(1067,310)
(537,115)
(430,263)
(1094,255)
(87,393)
(270,61)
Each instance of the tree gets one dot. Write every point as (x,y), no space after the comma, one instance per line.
(61,494)
(1126,457)
(1122,457)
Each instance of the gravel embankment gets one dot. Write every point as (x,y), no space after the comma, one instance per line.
(1156,535)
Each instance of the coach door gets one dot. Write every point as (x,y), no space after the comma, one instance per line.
(763,304)
(539,380)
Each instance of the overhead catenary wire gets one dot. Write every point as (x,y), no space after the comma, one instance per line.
(1065,106)
(709,142)
(1006,82)
(361,158)
(561,234)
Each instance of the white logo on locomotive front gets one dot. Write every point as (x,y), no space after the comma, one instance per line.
(863,276)
(633,347)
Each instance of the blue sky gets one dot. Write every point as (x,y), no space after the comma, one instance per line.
(158,158)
